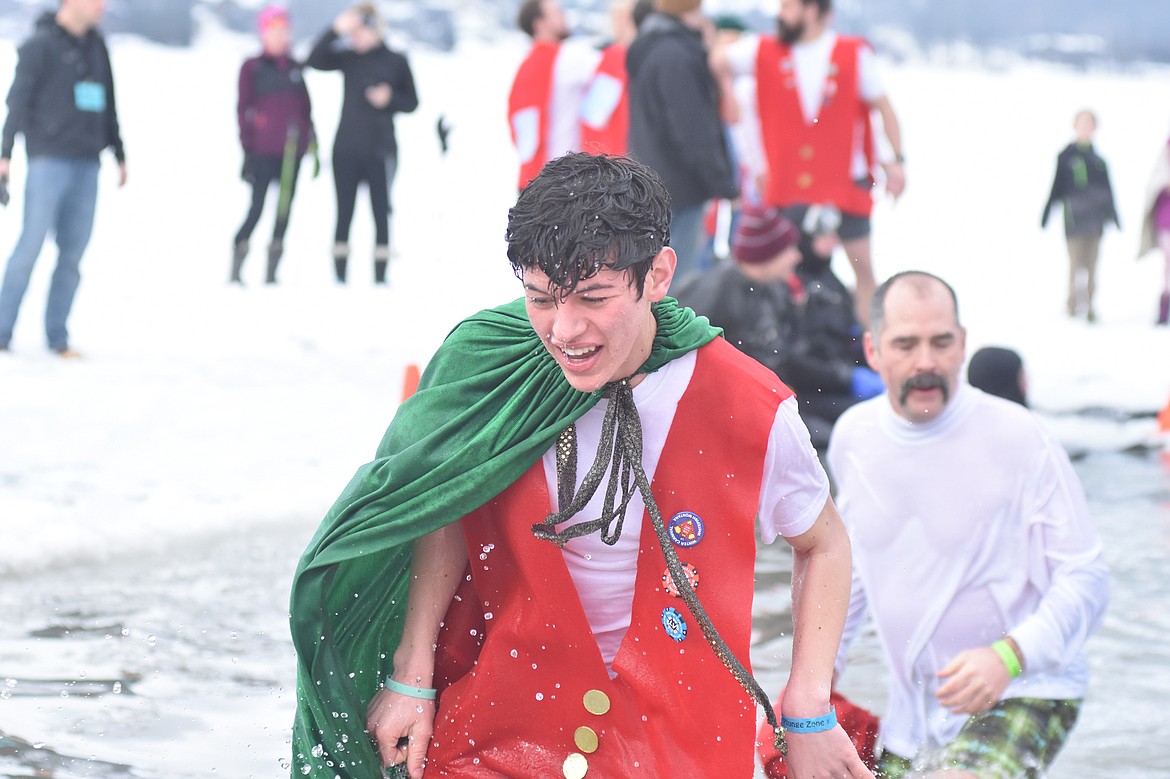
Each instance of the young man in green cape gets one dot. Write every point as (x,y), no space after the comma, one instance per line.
(561,629)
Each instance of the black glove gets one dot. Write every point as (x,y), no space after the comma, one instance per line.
(246,172)
(3,190)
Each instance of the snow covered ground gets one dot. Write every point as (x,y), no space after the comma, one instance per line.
(202,410)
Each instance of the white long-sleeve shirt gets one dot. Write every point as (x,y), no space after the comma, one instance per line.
(965,529)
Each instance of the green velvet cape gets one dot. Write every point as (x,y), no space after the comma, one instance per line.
(490,403)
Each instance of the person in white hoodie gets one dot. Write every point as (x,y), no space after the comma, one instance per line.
(973,551)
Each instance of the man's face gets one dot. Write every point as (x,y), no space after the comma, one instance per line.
(87,12)
(919,351)
(603,331)
(792,20)
(274,38)
(552,20)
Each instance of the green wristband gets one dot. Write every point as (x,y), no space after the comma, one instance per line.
(1008,656)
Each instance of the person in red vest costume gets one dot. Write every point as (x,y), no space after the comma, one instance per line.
(591,467)
(817,91)
(605,111)
(544,105)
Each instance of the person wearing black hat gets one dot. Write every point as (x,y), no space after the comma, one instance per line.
(799,324)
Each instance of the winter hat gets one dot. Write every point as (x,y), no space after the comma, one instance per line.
(676,7)
(761,234)
(271,14)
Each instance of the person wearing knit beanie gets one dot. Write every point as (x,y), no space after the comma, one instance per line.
(763,234)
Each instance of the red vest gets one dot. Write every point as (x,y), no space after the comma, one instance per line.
(531,92)
(515,708)
(812,162)
(611,134)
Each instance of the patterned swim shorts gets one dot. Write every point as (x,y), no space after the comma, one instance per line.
(1016,739)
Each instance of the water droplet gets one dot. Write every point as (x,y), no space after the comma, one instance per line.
(514,653)
(488,615)
(540,696)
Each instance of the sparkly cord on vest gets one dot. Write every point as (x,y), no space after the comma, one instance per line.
(620,453)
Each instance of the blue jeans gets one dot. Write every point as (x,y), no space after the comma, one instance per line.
(60,195)
(687,239)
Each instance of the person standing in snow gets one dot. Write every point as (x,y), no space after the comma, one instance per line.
(557,630)
(276,129)
(62,101)
(1082,185)
(378,85)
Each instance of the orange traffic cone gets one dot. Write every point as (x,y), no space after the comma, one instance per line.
(410,381)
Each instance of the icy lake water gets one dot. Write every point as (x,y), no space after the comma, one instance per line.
(178,664)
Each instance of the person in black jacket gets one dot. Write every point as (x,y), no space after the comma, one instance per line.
(378,84)
(1082,185)
(675,126)
(62,101)
(780,303)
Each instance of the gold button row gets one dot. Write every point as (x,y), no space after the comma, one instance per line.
(576,764)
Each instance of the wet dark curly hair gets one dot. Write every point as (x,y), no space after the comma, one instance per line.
(587,212)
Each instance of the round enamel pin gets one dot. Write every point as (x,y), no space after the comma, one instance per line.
(676,626)
(692,574)
(685,529)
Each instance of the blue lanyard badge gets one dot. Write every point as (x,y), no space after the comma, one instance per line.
(89,96)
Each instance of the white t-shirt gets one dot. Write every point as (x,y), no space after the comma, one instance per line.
(793,492)
(576,63)
(811,61)
(573,69)
(965,529)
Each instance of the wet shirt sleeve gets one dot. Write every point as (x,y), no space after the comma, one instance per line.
(794,487)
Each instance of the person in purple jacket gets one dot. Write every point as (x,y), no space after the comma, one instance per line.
(276,129)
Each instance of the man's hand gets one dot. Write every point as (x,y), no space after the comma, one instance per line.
(826,755)
(976,679)
(4,167)
(121,174)
(402,727)
(379,95)
(895,178)
(346,22)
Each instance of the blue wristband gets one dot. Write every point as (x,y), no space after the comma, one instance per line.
(425,693)
(810,724)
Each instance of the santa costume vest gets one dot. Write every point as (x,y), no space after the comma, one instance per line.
(811,161)
(605,121)
(523,687)
(528,104)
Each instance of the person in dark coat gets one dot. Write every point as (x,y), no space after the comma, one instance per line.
(1082,185)
(675,126)
(62,102)
(781,304)
(276,130)
(378,85)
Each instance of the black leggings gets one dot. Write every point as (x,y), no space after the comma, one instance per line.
(377,171)
(262,172)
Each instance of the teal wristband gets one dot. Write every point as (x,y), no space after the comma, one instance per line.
(425,693)
(810,724)
(1008,656)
